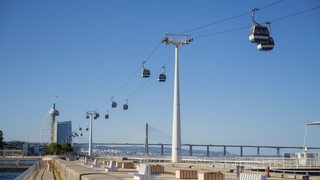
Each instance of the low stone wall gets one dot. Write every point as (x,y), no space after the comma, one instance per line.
(157,169)
(186,174)
(61,167)
(210,176)
(125,165)
(75,170)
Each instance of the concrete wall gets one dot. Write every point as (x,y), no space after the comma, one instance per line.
(74,170)
(61,167)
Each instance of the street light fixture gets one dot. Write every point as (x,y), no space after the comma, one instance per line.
(95,115)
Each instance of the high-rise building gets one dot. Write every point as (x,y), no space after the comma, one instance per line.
(64,132)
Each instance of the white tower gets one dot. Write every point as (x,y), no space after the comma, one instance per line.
(177,40)
(53,113)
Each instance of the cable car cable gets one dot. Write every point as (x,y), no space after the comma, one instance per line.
(153,51)
(212,34)
(133,75)
(148,80)
(246,27)
(230,18)
(137,71)
(193,29)
(221,32)
(217,22)
(295,14)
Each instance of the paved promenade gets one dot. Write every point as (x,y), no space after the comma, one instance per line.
(86,172)
(44,173)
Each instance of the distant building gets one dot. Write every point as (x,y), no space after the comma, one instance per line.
(64,132)
(53,113)
(32,149)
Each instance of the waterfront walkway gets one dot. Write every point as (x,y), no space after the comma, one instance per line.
(44,173)
(86,172)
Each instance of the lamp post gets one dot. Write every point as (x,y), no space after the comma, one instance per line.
(305,132)
(177,40)
(95,115)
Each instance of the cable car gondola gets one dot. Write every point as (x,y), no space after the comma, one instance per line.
(96,116)
(107,115)
(126,106)
(113,104)
(258,33)
(266,46)
(162,77)
(261,34)
(145,72)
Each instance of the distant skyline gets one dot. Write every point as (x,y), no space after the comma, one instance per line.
(79,54)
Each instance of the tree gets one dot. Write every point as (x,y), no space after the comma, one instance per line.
(66,147)
(53,148)
(1,140)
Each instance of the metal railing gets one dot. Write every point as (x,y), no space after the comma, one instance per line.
(17,163)
(232,162)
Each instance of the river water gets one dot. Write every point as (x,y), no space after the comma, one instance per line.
(9,175)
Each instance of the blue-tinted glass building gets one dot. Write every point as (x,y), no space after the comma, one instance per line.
(64,132)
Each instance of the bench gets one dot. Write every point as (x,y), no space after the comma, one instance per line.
(112,167)
(144,173)
(85,161)
(95,163)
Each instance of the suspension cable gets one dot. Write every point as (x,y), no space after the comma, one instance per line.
(207,35)
(221,32)
(230,18)
(268,22)
(193,29)
(295,14)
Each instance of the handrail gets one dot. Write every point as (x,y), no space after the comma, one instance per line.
(275,162)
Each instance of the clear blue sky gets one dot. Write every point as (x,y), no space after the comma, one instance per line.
(86,51)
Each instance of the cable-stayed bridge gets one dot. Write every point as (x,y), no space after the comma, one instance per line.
(151,141)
